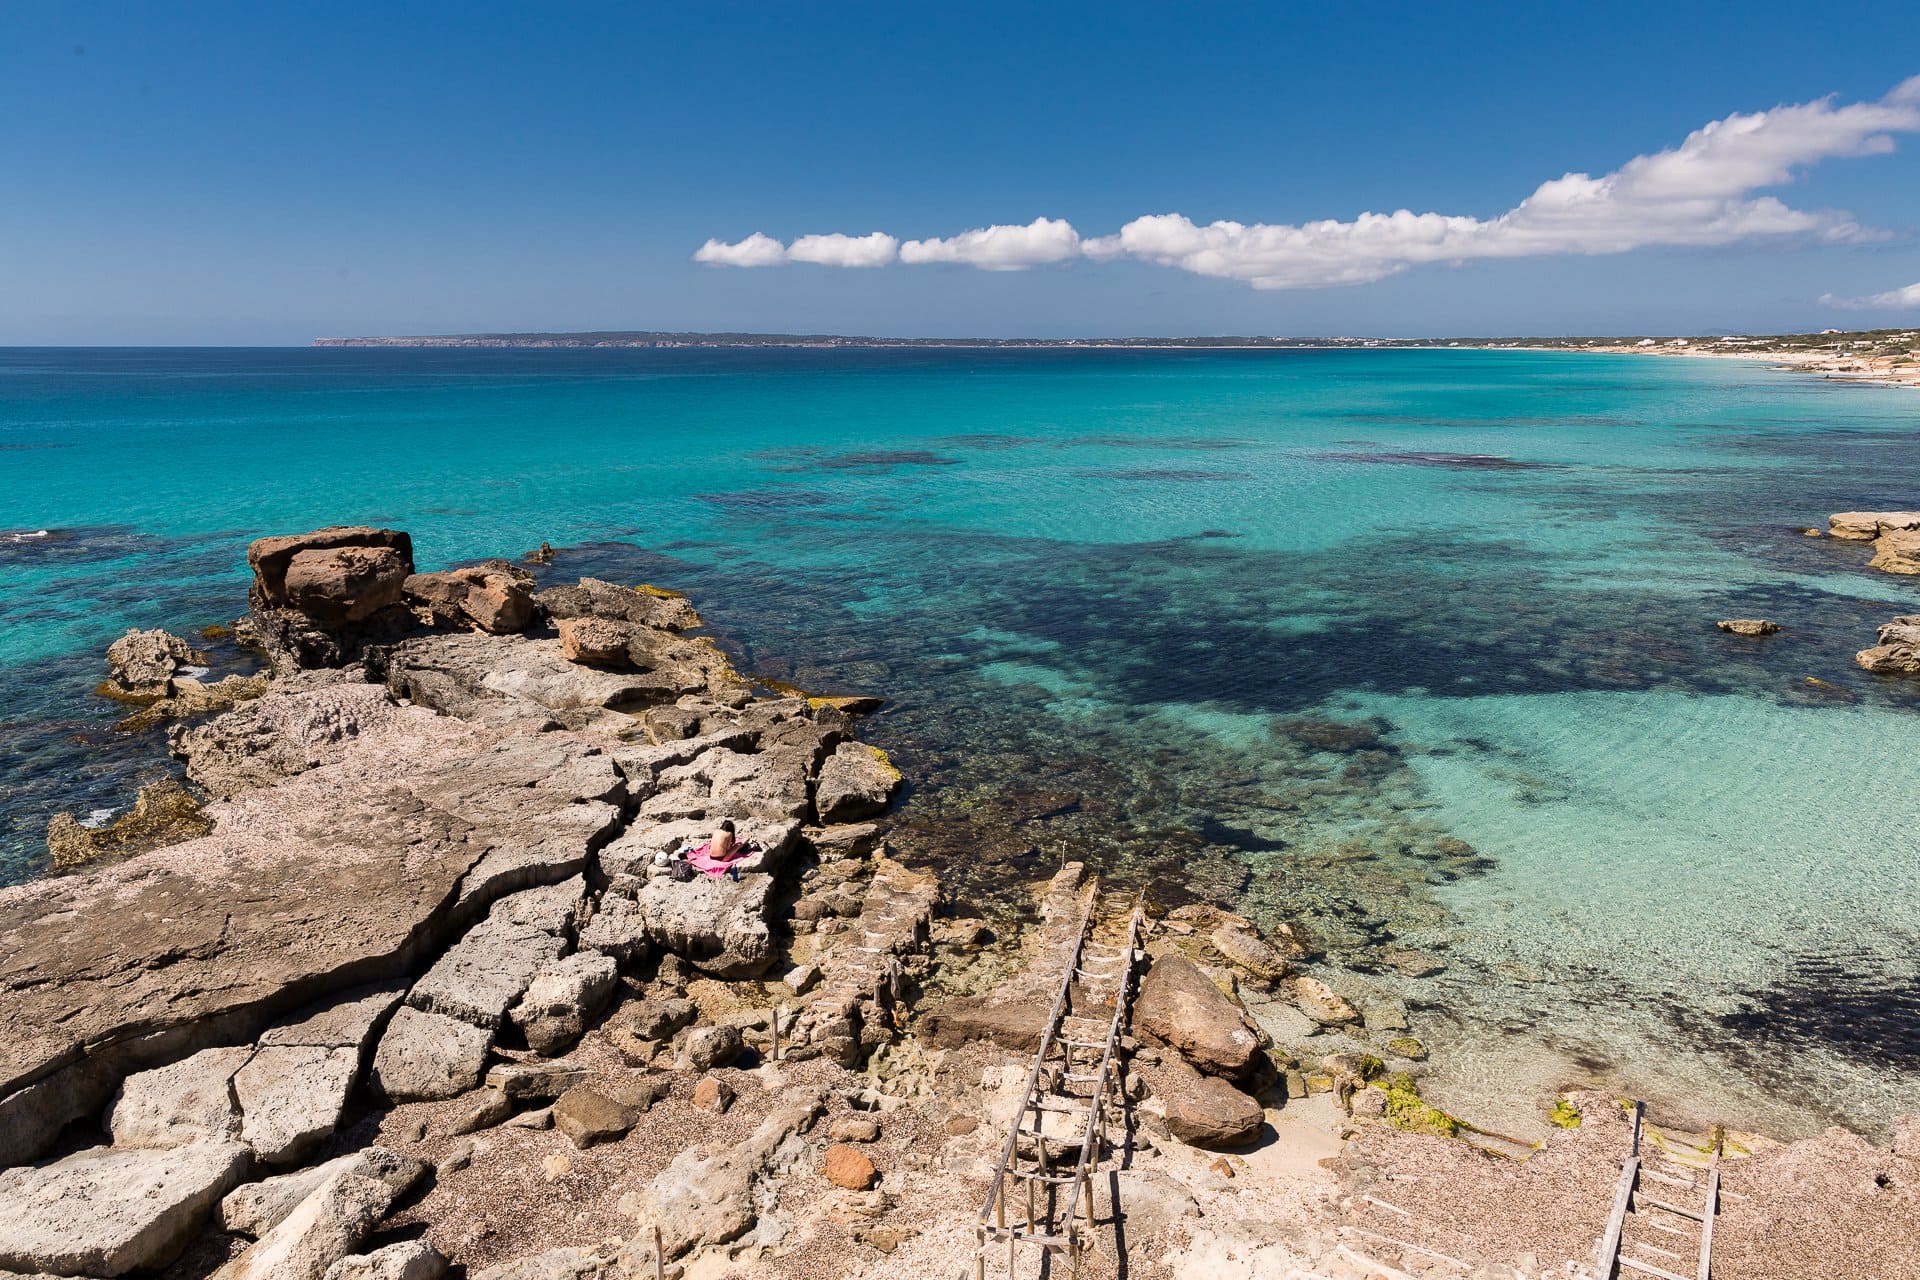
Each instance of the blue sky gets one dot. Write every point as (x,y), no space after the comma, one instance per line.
(248,173)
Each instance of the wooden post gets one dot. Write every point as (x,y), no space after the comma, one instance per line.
(659,1256)
(774,1053)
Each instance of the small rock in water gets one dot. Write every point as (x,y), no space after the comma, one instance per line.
(1748,626)
(1321,1003)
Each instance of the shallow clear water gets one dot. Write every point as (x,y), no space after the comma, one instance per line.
(1413,647)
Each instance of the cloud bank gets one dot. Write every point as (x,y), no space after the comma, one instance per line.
(1701,193)
(1892,300)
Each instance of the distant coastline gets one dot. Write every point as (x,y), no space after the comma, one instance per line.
(1888,357)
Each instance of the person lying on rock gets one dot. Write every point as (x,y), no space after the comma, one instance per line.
(721,855)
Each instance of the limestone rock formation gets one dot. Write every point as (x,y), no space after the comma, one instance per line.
(704,1199)
(857,782)
(648,606)
(163,813)
(255,1208)
(276,738)
(106,1211)
(143,664)
(1897,651)
(331,1223)
(1206,1111)
(187,1101)
(1179,1007)
(407,1260)
(562,999)
(496,596)
(1865,526)
(429,1055)
(1897,551)
(1320,1002)
(1748,626)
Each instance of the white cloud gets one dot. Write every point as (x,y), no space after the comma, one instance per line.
(1703,192)
(1892,300)
(873,250)
(1000,248)
(756,250)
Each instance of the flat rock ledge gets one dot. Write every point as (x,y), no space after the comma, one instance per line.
(435,839)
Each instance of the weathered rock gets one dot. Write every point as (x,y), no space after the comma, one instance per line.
(1177,1006)
(1748,626)
(1014,1014)
(495,596)
(555,1264)
(105,1212)
(1147,1200)
(190,697)
(1898,650)
(142,664)
(710,1199)
(587,1116)
(428,1055)
(1250,952)
(1865,526)
(1320,1002)
(272,558)
(331,1223)
(596,641)
(848,1168)
(856,782)
(1897,551)
(255,1208)
(648,606)
(486,972)
(163,813)
(526,1081)
(719,925)
(274,738)
(187,1101)
(292,1097)
(713,1094)
(853,1129)
(407,1260)
(481,1110)
(563,999)
(715,1046)
(355,869)
(653,1019)
(1206,1111)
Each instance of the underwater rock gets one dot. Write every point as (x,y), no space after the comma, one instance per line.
(1320,1002)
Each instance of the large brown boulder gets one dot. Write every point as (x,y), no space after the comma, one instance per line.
(1205,1111)
(1178,1006)
(345,584)
(495,596)
(271,559)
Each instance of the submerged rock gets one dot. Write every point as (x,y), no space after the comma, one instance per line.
(105,1212)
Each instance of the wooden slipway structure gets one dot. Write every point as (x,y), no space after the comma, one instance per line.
(1040,1195)
(1665,1212)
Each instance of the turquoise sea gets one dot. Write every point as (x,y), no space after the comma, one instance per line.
(1415,648)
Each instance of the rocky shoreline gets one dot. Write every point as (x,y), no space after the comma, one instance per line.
(417,988)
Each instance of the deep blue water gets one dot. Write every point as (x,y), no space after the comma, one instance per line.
(1413,646)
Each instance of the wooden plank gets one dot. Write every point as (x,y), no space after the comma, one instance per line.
(1651,1203)
(1627,1260)
(1706,1221)
(1605,1260)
